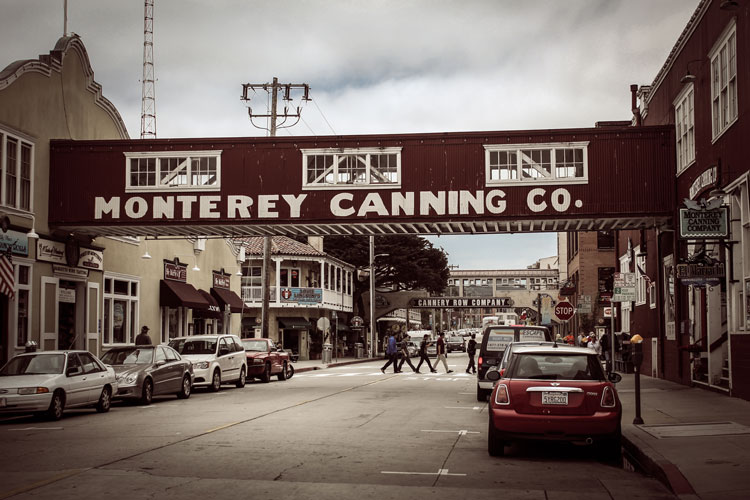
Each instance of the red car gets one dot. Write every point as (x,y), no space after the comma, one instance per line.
(264,360)
(553,393)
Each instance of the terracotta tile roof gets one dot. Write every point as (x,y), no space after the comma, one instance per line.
(280,245)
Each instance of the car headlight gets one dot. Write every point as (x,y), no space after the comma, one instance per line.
(33,390)
(129,379)
(257,361)
(201,365)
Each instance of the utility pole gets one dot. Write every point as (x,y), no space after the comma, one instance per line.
(273,114)
(148,95)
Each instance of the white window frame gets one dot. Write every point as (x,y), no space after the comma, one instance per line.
(132,300)
(543,179)
(724,108)
(188,156)
(625,268)
(640,279)
(22,140)
(684,120)
(13,304)
(338,155)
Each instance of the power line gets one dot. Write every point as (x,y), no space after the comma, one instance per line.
(324,117)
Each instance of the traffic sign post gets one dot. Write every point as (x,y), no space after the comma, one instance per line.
(564,310)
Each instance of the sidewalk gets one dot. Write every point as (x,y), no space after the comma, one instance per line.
(697,442)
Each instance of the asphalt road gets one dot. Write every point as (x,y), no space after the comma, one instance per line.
(347,432)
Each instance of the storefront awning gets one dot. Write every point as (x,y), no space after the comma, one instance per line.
(294,323)
(211,310)
(224,297)
(179,294)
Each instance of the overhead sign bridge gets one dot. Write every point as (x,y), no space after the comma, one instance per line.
(450,183)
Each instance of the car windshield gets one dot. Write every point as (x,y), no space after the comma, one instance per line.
(545,366)
(255,345)
(38,364)
(194,346)
(131,356)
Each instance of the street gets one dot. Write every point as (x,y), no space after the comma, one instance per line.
(345,432)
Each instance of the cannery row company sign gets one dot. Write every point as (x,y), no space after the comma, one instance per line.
(459,302)
(420,183)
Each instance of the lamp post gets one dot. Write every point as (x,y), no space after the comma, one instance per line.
(371,350)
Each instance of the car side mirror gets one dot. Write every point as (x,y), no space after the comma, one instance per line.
(493,375)
(614,377)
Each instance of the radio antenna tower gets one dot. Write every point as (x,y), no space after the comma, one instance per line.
(148,99)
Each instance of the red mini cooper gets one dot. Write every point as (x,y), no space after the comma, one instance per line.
(555,393)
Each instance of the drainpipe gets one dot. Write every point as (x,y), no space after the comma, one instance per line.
(634,104)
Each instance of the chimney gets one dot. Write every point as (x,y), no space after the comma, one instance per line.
(316,242)
(634,105)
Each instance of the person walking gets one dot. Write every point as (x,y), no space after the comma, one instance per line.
(471,350)
(404,343)
(423,354)
(392,353)
(441,352)
(143,337)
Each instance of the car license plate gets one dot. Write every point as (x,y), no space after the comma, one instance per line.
(554,398)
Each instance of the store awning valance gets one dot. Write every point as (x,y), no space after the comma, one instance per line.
(179,294)
(224,297)
(294,323)
(212,309)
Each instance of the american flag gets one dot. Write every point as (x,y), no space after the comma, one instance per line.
(7,278)
(643,273)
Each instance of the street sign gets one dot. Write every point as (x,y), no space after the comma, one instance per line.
(624,287)
(564,310)
(357,322)
(324,323)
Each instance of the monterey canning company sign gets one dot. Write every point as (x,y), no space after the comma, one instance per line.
(576,179)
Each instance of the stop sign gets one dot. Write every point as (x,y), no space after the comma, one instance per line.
(564,310)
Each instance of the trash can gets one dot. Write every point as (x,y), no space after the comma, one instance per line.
(327,352)
(359,350)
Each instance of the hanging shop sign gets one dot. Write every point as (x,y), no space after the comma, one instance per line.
(459,302)
(700,273)
(704,221)
(221,280)
(50,251)
(91,259)
(175,271)
(16,241)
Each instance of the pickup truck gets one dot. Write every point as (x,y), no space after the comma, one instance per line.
(264,360)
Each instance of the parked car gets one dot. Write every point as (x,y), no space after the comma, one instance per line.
(49,382)
(145,371)
(431,349)
(217,359)
(555,393)
(455,343)
(264,360)
(413,348)
(492,347)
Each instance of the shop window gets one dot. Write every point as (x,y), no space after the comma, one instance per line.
(121,311)
(289,277)
(351,167)
(605,240)
(556,163)
(16,170)
(723,59)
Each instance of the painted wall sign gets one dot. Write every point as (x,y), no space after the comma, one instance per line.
(302,295)
(69,272)
(707,178)
(459,302)
(697,224)
(16,241)
(50,251)
(91,259)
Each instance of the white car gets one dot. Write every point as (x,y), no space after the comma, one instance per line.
(217,359)
(48,382)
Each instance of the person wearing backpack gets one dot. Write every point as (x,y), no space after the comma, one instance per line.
(471,350)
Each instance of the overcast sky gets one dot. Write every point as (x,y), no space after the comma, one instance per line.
(374,66)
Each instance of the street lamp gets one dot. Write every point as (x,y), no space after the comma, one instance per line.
(371,350)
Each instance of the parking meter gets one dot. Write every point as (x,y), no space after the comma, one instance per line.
(637,354)
(636,344)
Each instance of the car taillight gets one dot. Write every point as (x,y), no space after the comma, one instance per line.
(479,362)
(501,395)
(608,398)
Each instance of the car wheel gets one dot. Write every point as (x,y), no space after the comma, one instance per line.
(482,394)
(241,381)
(495,445)
(216,381)
(105,400)
(186,388)
(56,406)
(289,371)
(282,373)
(266,377)
(147,394)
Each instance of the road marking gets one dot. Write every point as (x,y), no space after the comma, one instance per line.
(146,407)
(440,472)
(463,407)
(462,432)
(37,429)
(43,482)
(221,427)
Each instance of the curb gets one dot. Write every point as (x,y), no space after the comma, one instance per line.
(655,465)
(332,365)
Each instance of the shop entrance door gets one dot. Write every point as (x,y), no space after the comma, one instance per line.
(67,329)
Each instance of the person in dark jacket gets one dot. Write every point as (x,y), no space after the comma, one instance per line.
(143,337)
(471,350)
(391,351)
(423,354)
(404,344)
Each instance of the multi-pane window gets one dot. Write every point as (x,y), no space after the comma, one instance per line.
(200,170)
(120,310)
(558,163)
(640,278)
(23,303)
(289,277)
(365,167)
(16,171)
(724,81)
(684,128)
